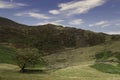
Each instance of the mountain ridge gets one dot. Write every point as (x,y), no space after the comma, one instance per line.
(49,38)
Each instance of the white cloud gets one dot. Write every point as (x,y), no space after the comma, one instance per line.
(111,23)
(77,7)
(9,5)
(100,24)
(117,24)
(113,32)
(56,22)
(76,22)
(33,15)
(54,12)
(61,22)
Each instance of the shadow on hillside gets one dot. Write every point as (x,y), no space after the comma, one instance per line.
(37,71)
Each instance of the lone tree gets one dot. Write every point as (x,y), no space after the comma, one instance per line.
(27,57)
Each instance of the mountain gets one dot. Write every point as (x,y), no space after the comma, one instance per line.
(49,38)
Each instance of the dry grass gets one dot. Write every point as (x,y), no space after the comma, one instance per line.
(81,72)
(75,62)
(76,56)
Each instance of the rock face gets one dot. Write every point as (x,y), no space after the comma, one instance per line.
(47,37)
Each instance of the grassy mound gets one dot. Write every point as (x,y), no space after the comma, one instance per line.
(104,55)
(107,68)
(7,55)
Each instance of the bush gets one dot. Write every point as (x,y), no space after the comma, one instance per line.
(103,55)
(107,68)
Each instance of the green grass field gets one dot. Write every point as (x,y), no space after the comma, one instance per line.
(73,64)
(80,72)
(107,68)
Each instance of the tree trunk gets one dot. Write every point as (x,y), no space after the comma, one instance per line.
(22,69)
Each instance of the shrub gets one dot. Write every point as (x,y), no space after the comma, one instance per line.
(107,68)
(103,55)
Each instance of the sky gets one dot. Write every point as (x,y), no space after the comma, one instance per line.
(94,15)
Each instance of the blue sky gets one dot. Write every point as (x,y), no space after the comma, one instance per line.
(95,15)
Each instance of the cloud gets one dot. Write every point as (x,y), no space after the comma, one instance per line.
(61,22)
(54,12)
(110,23)
(56,22)
(113,32)
(33,15)
(117,24)
(77,7)
(76,22)
(10,5)
(100,24)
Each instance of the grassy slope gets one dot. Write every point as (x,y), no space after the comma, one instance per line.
(81,58)
(7,55)
(81,72)
(107,68)
(76,56)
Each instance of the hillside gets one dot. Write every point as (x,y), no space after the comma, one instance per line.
(80,55)
(71,52)
(65,44)
(73,65)
(49,38)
